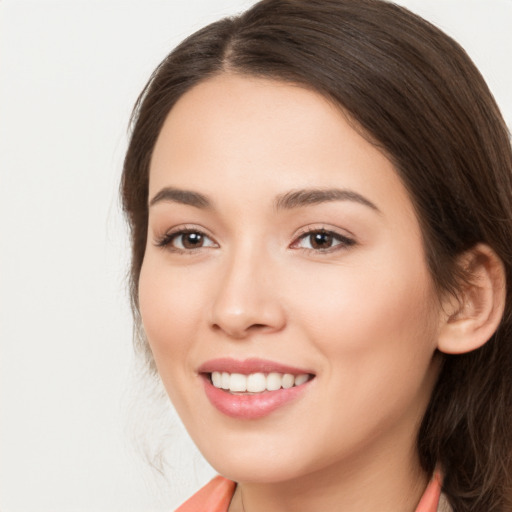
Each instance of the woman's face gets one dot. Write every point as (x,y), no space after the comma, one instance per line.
(282,251)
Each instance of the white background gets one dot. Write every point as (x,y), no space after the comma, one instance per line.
(71,406)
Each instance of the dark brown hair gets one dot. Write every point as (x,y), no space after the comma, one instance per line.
(414,93)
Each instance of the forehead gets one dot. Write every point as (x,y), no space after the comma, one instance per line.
(264,137)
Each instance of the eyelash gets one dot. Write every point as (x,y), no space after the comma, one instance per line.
(168,238)
(343,241)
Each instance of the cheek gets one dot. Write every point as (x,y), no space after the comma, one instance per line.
(376,332)
(373,318)
(170,307)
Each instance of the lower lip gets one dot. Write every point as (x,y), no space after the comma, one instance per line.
(251,407)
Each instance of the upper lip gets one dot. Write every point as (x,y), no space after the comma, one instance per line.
(247,366)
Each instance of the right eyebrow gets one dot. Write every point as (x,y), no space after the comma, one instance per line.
(307,197)
(176,195)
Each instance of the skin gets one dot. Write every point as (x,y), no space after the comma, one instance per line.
(362,316)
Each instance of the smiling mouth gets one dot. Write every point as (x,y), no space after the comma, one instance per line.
(253,388)
(256,383)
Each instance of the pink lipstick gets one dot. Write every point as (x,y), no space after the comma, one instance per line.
(252,388)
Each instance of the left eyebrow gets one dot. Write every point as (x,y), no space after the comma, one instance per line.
(308,197)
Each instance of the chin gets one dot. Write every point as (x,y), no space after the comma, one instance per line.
(263,470)
(264,459)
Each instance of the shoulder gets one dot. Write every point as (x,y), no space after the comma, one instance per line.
(215,496)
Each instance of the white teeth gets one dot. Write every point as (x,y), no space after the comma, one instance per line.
(237,382)
(274,381)
(217,379)
(225,380)
(256,382)
(301,379)
(288,380)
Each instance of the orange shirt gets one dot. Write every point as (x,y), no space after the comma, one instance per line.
(216,495)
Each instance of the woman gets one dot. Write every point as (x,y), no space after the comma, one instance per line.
(319,194)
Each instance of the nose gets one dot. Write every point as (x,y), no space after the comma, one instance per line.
(247,298)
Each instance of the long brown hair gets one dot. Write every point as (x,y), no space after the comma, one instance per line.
(413,92)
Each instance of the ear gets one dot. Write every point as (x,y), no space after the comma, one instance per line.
(472,317)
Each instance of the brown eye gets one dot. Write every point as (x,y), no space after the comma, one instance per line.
(322,240)
(191,240)
(186,240)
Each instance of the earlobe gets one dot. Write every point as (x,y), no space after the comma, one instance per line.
(471,319)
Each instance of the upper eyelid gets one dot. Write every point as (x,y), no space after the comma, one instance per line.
(345,240)
(343,233)
(186,228)
(169,235)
